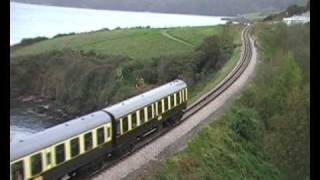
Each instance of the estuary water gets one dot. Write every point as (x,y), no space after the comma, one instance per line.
(25,123)
(29,21)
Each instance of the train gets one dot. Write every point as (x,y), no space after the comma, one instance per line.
(60,151)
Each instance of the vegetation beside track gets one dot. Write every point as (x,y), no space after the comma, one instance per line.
(265,133)
(84,77)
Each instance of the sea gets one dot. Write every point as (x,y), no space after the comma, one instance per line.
(29,20)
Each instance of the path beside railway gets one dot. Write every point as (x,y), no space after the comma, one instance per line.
(166,34)
(143,160)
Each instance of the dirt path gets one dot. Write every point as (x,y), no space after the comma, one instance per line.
(145,161)
(165,33)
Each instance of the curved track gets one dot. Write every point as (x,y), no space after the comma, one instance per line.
(191,110)
(231,77)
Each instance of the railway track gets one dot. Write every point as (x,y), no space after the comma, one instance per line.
(230,79)
(192,109)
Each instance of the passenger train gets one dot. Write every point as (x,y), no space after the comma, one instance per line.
(61,150)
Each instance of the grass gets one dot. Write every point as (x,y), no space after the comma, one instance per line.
(219,152)
(194,36)
(135,43)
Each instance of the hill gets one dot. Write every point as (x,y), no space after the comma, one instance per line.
(127,42)
(203,7)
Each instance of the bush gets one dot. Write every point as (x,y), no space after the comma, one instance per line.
(29,41)
(63,34)
(246,124)
(214,52)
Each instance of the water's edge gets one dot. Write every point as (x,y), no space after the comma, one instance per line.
(29,21)
(23,123)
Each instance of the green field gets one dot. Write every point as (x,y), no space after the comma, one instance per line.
(136,43)
(194,35)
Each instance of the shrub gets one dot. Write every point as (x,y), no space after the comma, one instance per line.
(246,124)
(63,34)
(29,41)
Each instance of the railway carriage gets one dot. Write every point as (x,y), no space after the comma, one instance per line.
(135,118)
(62,149)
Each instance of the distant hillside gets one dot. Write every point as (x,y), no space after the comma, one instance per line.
(202,7)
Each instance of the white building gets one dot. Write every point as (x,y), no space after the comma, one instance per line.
(301,19)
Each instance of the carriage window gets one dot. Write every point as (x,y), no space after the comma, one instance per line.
(100,135)
(60,156)
(159,107)
(150,112)
(178,98)
(108,132)
(17,171)
(142,118)
(186,94)
(125,124)
(134,120)
(75,149)
(36,164)
(88,141)
(182,94)
(48,158)
(166,104)
(172,101)
(118,127)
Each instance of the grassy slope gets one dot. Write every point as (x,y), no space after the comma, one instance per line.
(218,152)
(196,35)
(135,43)
(265,133)
(285,108)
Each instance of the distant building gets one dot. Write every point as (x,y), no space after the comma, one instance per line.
(237,20)
(300,19)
